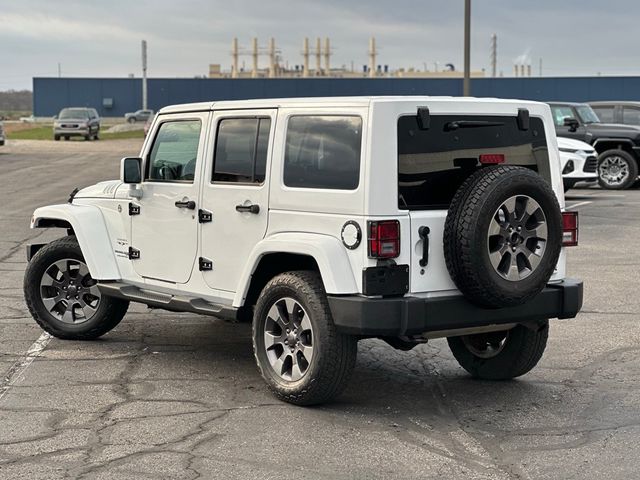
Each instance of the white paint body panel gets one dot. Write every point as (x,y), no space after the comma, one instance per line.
(292,220)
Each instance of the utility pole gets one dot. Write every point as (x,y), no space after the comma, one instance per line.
(144,74)
(59,70)
(466,83)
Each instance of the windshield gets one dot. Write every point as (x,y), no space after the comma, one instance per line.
(587,115)
(73,113)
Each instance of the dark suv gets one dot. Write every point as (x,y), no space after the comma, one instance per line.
(618,146)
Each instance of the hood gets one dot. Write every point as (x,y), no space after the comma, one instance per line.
(614,129)
(573,144)
(100,190)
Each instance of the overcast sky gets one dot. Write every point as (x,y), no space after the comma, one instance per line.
(102,39)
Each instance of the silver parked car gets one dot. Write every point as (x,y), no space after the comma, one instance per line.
(138,116)
(77,122)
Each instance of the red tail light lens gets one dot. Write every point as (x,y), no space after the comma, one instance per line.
(569,229)
(384,239)
(491,158)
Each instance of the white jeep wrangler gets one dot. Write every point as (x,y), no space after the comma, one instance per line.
(325,221)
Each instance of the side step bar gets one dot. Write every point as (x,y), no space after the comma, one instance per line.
(167,301)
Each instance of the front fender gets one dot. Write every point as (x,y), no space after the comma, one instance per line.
(89,227)
(328,252)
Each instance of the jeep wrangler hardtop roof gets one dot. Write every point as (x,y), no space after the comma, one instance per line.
(361,101)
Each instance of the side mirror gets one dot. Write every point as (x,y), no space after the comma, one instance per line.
(131,170)
(572,123)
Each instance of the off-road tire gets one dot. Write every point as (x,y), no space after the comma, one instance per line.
(522,351)
(466,242)
(334,354)
(110,310)
(631,162)
(56,137)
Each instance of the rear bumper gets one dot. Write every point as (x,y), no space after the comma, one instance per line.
(412,316)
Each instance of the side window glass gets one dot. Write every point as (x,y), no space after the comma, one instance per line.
(605,114)
(560,113)
(241,150)
(323,152)
(175,151)
(630,116)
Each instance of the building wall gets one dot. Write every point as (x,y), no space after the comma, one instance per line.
(52,94)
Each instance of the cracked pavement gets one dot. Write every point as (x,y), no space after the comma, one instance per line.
(178,396)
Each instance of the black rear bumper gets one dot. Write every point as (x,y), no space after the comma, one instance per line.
(412,315)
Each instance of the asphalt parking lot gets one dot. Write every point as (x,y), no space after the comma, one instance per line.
(170,395)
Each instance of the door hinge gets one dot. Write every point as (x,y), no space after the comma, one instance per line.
(134,253)
(205,264)
(134,209)
(204,216)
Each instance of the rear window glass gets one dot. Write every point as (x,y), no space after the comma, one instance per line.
(323,152)
(433,163)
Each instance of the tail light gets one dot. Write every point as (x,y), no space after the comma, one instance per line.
(491,158)
(569,229)
(384,239)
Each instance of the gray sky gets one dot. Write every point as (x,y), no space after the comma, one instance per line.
(91,38)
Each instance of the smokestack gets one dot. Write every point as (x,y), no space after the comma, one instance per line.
(522,70)
(234,56)
(305,56)
(327,55)
(528,70)
(254,70)
(272,57)
(372,57)
(494,54)
(318,57)
(515,70)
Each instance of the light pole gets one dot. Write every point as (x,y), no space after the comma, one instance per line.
(466,83)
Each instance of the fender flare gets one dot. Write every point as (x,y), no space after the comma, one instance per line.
(90,229)
(327,251)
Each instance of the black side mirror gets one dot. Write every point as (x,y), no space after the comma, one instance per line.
(572,123)
(131,170)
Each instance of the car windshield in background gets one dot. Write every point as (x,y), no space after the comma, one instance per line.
(73,113)
(587,115)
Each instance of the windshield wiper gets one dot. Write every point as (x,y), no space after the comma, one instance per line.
(449,126)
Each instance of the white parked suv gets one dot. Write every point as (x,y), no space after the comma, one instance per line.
(579,162)
(324,221)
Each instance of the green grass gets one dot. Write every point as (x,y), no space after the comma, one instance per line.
(46,133)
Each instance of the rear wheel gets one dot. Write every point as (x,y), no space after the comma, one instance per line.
(56,137)
(501,355)
(298,351)
(617,170)
(63,298)
(66,137)
(132,120)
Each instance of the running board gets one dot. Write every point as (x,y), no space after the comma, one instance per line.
(167,301)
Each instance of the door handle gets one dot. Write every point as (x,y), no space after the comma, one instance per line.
(423,232)
(190,204)
(253,208)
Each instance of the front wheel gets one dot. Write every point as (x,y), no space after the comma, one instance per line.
(301,356)
(501,355)
(617,170)
(63,298)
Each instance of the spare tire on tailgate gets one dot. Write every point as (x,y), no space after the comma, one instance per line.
(502,236)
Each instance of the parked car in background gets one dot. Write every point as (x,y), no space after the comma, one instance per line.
(77,122)
(138,116)
(617,145)
(29,119)
(578,162)
(2,136)
(627,113)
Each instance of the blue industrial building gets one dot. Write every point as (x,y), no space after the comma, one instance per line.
(112,97)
